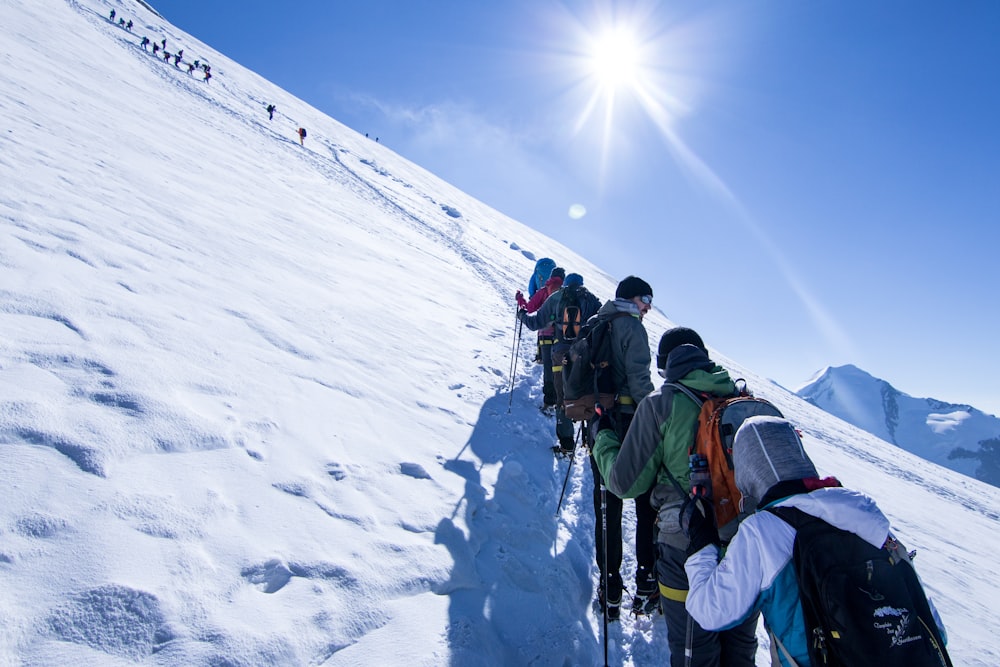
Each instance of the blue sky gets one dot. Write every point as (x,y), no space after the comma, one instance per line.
(851,148)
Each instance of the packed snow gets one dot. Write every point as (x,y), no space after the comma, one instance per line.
(265,404)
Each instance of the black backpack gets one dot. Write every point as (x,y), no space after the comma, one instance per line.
(862,605)
(586,374)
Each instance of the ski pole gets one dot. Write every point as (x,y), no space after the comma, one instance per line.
(604,546)
(516,350)
(572,457)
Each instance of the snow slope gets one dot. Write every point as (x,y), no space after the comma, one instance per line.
(255,398)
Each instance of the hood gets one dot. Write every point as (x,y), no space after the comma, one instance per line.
(767,450)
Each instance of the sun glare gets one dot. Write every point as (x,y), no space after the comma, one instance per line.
(615,59)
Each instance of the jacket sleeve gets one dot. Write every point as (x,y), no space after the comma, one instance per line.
(543,317)
(630,468)
(722,594)
(537,300)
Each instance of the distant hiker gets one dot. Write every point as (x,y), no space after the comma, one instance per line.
(177,59)
(208,75)
(144,42)
(545,335)
(206,67)
(197,64)
(163,43)
(651,457)
(112,17)
(180,54)
(539,276)
(191,68)
(572,295)
(302,136)
(802,525)
(270,111)
(128,26)
(166,56)
(121,23)
(156,47)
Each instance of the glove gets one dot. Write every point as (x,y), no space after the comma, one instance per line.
(521,303)
(601,421)
(521,313)
(698,523)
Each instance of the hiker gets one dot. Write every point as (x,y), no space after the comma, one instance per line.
(128,26)
(302,134)
(166,56)
(208,75)
(163,43)
(551,314)
(543,352)
(121,22)
(177,59)
(539,275)
(654,451)
(144,42)
(772,470)
(630,363)
(112,18)
(156,47)
(191,69)
(270,111)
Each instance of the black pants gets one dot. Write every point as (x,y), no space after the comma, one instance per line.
(565,431)
(645,528)
(548,385)
(736,647)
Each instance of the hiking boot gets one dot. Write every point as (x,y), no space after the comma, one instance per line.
(567,444)
(614,608)
(647,594)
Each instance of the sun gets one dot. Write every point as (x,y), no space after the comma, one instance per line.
(615,58)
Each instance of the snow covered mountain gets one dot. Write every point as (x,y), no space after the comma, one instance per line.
(263,404)
(927,427)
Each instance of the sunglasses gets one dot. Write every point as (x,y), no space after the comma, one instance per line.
(646,299)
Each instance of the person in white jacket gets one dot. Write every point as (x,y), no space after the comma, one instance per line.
(772,469)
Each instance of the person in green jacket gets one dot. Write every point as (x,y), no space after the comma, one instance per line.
(653,456)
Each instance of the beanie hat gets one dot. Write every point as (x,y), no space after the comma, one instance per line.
(675,337)
(558,272)
(767,450)
(633,287)
(572,280)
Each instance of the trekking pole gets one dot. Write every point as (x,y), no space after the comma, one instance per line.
(604,546)
(572,457)
(515,350)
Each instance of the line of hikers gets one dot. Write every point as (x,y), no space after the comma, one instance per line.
(732,519)
(178,57)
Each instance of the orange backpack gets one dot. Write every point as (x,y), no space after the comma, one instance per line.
(718,420)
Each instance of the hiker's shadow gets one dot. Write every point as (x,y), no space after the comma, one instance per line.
(517,596)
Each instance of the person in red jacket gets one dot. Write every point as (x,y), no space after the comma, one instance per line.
(545,336)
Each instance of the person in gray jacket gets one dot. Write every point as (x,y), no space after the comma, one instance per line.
(630,365)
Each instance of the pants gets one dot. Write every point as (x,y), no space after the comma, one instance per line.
(736,647)
(565,431)
(548,383)
(645,528)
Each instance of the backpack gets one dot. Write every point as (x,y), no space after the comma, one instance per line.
(718,420)
(569,316)
(862,605)
(585,380)
(302,132)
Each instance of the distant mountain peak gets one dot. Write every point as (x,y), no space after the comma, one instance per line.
(928,427)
